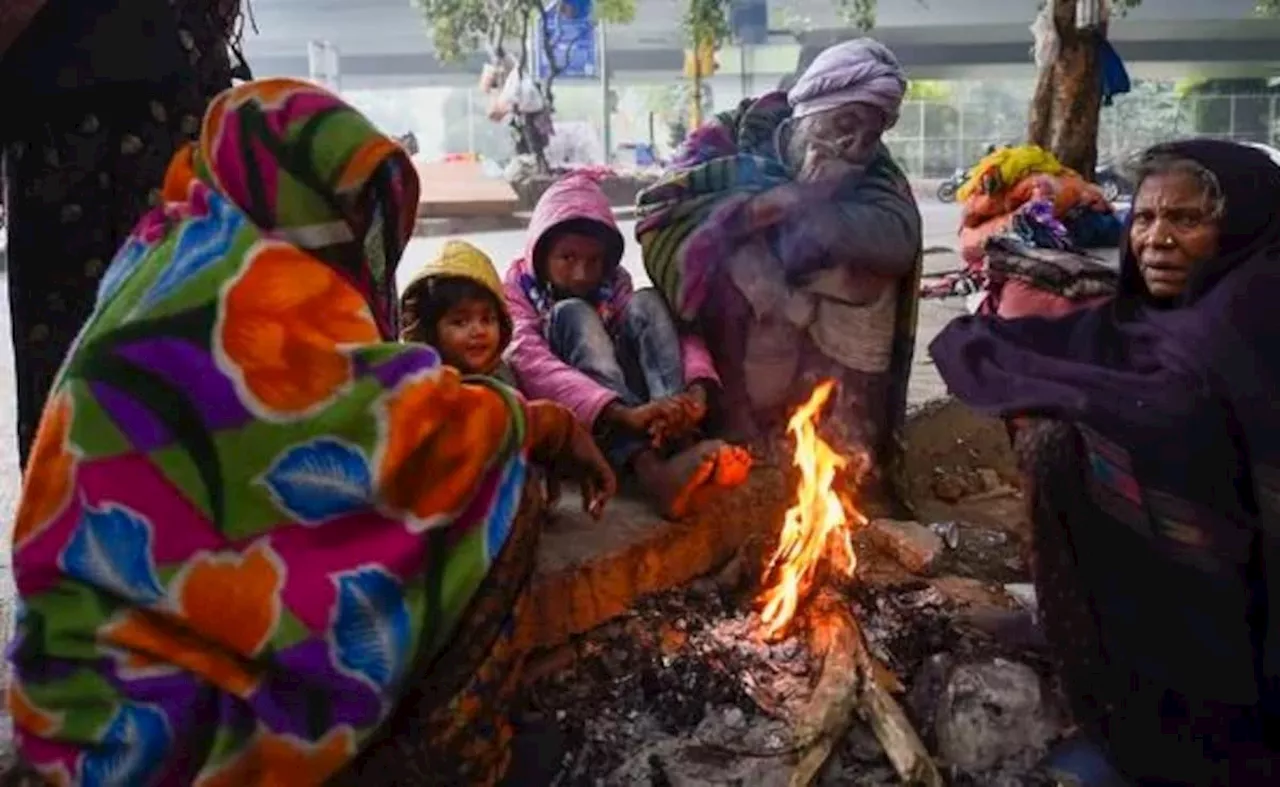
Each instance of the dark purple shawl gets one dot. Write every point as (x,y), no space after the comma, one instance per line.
(1191,391)
(1133,364)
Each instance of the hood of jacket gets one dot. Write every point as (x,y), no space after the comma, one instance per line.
(575,197)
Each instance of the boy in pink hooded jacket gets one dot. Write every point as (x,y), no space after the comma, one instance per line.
(585,339)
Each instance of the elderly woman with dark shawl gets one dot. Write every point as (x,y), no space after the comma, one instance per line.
(1154,485)
(260,542)
(787,235)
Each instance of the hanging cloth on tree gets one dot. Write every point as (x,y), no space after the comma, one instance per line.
(1115,77)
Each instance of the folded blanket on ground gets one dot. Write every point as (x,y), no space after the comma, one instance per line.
(1072,275)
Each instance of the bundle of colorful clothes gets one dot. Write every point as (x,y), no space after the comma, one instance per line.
(1026,223)
(1027,191)
(1021,279)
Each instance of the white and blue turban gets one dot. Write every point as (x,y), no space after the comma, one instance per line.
(862,71)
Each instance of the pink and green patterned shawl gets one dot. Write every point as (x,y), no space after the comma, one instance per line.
(248,510)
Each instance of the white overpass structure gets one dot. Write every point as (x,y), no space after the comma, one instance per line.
(386,43)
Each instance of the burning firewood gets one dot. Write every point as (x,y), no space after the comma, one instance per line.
(817,531)
(847,689)
(817,541)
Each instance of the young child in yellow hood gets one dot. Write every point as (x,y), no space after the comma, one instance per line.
(456,305)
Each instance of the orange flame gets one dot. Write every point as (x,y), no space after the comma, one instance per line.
(816,530)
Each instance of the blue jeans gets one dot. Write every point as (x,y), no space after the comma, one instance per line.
(639,360)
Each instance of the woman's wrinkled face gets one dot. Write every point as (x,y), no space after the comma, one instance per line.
(576,265)
(468,335)
(1174,228)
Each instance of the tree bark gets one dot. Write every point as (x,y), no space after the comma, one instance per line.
(1068,97)
(83,162)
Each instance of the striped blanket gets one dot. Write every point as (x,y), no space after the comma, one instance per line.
(699,213)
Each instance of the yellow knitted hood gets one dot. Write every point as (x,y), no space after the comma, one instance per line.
(461,259)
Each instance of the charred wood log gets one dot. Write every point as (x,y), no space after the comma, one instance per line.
(849,689)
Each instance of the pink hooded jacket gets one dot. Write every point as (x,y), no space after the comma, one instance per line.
(541,373)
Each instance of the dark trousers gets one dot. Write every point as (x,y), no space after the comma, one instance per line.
(114,90)
(1158,734)
(639,359)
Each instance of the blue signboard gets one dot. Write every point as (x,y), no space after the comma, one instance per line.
(749,20)
(573,40)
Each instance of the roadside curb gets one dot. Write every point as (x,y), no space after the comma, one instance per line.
(440,226)
(462,225)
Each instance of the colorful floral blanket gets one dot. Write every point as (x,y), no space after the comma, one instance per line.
(248,510)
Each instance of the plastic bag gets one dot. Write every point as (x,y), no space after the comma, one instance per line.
(521,95)
(1045,48)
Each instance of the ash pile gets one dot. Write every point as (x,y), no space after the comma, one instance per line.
(683,692)
(860,652)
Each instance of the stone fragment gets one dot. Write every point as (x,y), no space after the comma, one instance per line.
(989,479)
(734,718)
(948,531)
(970,592)
(1024,593)
(912,544)
(991,712)
(947,487)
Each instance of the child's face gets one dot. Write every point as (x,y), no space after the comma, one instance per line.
(468,335)
(575,265)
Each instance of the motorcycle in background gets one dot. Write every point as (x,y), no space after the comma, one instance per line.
(948,188)
(1115,186)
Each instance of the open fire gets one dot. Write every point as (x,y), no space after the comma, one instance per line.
(817,533)
(814,555)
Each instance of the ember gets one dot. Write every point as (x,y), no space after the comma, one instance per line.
(816,531)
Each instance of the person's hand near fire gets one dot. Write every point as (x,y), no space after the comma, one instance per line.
(563,450)
(666,420)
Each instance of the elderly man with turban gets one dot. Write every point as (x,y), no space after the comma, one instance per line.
(786,234)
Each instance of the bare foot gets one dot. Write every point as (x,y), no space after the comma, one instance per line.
(675,483)
(732,466)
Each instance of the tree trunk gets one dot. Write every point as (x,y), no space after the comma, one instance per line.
(1068,97)
(82,164)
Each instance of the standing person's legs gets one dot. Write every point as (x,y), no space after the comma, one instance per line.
(79,176)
